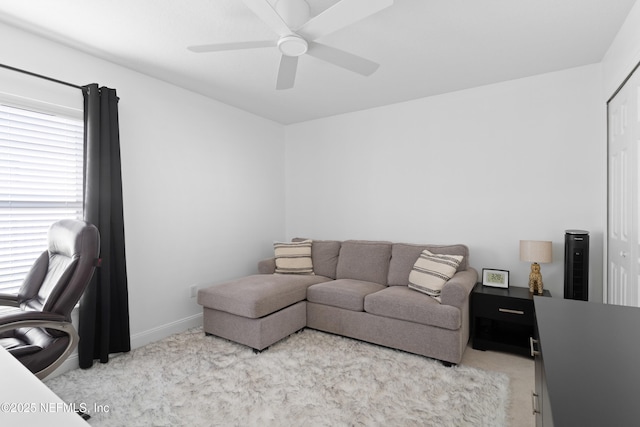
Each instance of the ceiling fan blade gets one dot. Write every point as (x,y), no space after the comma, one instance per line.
(217,47)
(342,59)
(266,12)
(287,72)
(340,15)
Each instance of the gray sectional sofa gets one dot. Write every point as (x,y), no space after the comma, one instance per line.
(358,289)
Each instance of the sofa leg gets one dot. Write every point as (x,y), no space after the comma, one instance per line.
(447,364)
(256,351)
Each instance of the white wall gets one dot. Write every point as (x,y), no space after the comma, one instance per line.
(623,54)
(485,167)
(203,182)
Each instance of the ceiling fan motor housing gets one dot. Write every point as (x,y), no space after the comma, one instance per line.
(293,12)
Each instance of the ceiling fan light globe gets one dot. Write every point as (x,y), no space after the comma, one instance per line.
(292,45)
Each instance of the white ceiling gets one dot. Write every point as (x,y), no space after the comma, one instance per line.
(424,47)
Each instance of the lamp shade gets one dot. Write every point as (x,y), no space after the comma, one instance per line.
(535,251)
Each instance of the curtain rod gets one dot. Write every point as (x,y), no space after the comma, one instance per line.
(40,76)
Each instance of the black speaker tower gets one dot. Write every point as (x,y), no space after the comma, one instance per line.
(576,264)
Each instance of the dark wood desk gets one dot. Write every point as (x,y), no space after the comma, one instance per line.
(589,358)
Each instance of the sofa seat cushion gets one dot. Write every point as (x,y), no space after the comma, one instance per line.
(343,293)
(402,302)
(258,295)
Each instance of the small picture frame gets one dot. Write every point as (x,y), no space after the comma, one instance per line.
(495,278)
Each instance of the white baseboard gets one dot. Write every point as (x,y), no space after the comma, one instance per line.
(138,340)
(68,365)
(163,331)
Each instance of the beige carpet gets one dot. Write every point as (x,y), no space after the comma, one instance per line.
(310,378)
(520,370)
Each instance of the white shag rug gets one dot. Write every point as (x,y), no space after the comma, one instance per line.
(308,379)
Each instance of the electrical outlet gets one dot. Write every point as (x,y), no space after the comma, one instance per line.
(193,290)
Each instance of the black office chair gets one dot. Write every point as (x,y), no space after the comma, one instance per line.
(35,322)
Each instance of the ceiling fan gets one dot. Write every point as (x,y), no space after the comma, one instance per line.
(297,34)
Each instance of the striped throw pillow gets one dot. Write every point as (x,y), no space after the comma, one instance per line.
(293,257)
(431,272)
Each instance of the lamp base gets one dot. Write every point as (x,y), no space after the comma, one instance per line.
(535,279)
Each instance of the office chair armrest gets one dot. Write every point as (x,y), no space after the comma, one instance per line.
(21,319)
(36,319)
(9,299)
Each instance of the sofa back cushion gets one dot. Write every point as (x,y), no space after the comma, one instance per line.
(405,255)
(364,260)
(324,254)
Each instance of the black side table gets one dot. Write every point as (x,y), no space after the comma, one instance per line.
(502,319)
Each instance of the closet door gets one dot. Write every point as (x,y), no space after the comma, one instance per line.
(623,254)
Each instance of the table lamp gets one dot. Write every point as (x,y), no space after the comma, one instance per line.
(535,252)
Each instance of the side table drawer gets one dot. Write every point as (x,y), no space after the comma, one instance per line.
(504,309)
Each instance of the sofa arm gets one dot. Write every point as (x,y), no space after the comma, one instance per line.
(456,291)
(267,266)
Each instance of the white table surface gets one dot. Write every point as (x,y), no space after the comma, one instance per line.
(27,401)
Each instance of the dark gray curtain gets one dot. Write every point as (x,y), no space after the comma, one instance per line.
(104,308)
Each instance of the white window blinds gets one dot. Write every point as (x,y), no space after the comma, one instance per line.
(41,181)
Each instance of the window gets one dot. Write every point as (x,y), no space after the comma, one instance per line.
(41,181)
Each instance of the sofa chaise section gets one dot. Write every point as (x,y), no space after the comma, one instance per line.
(257,310)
